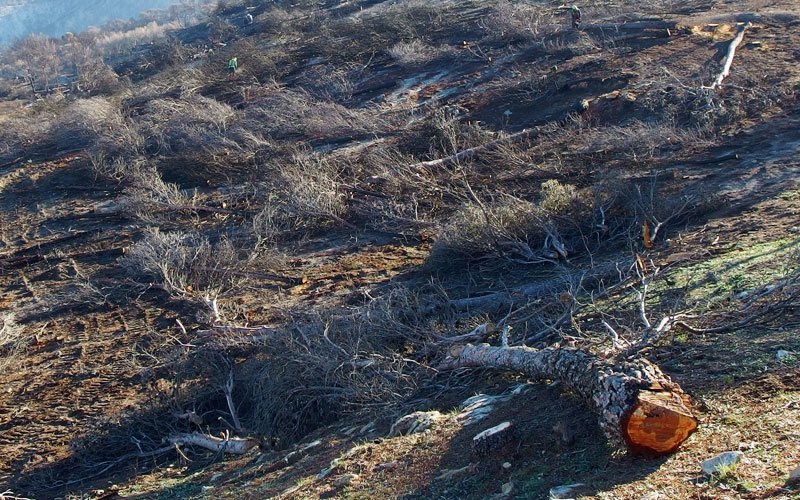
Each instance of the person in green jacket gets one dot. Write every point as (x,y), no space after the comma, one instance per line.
(232,65)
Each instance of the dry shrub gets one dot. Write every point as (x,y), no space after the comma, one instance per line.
(12,342)
(515,229)
(58,126)
(357,37)
(442,134)
(97,78)
(186,125)
(117,42)
(275,19)
(306,195)
(147,193)
(341,368)
(330,82)
(519,22)
(254,59)
(285,113)
(415,53)
(185,263)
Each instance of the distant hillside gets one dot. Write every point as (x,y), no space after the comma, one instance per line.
(55,17)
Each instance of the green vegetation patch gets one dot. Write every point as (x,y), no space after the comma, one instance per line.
(748,266)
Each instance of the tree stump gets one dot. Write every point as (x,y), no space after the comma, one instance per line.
(492,439)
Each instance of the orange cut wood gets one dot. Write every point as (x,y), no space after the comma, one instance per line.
(658,423)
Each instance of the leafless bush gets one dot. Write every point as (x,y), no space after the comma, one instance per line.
(514,229)
(98,78)
(12,341)
(514,21)
(275,19)
(330,82)
(341,369)
(116,42)
(305,196)
(442,134)
(415,53)
(85,121)
(186,125)
(56,126)
(284,113)
(185,264)
(147,193)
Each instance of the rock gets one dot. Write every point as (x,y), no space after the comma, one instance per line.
(781,355)
(492,439)
(345,480)
(794,476)
(506,465)
(327,471)
(726,459)
(477,408)
(653,495)
(413,423)
(566,491)
(507,487)
(386,466)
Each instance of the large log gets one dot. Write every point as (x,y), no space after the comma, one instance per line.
(638,404)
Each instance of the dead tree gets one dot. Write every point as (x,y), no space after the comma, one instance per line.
(638,404)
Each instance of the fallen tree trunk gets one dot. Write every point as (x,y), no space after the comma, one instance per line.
(638,404)
(726,68)
(520,295)
(235,446)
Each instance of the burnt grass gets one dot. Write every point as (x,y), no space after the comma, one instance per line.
(147,186)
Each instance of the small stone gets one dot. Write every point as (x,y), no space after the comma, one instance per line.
(794,476)
(507,487)
(345,480)
(506,465)
(386,466)
(782,355)
(565,492)
(726,459)
(413,423)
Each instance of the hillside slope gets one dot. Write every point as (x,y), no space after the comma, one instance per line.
(291,254)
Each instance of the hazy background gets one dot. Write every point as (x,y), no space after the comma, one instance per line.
(55,17)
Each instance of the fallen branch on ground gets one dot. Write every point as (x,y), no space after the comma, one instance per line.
(726,67)
(637,403)
(469,153)
(232,445)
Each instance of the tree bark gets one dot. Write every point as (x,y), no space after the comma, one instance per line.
(638,404)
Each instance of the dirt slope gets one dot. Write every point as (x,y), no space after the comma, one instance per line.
(89,390)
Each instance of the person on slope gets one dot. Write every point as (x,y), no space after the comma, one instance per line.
(232,65)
